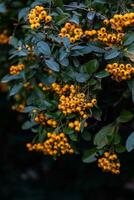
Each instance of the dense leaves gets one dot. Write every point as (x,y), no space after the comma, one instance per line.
(77,78)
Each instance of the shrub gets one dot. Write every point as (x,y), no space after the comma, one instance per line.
(72,73)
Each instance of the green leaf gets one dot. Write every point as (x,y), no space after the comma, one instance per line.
(91,15)
(125,116)
(82,125)
(8,78)
(120,148)
(15,89)
(104,136)
(75,19)
(2,8)
(102,74)
(97,113)
(130,48)
(130,142)
(69,131)
(116,139)
(43,48)
(89,156)
(28,125)
(86,135)
(52,64)
(13,41)
(95,48)
(62,18)
(29,109)
(23,13)
(113,53)
(73,137)
(58,3)
(82,77)
(91,66)
(129,38)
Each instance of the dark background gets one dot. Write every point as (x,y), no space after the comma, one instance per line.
(32,176)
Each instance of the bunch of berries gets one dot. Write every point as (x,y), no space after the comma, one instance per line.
(41,118)
(76,103)
(38,15)
(109,163)
(55,145)
(119,21)
(109,38)
(72,31)
(16,69)
(76,125)
(120,72)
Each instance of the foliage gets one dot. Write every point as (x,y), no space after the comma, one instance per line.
(71,70)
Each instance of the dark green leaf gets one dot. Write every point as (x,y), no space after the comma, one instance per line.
(2,8)
(130,142)
(89,156)
(125,116)
(82,77)
(104,136)
(28,125)
(129,38)
(113,53)
(15,89)
(29,109)
(52,64)
(8,78)
(23,13)
(91,66)
(102,74)
(43,48)
(86,136)
(75,19)
(61,19)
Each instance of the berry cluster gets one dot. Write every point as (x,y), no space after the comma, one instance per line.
(38,15)
(76,125)
(109,38)
(71,31)
(16,69)
(120,72)
(76,103)
(43,87)
(41,118)
(4,39)
(119,21)
(109,163)
(55,145)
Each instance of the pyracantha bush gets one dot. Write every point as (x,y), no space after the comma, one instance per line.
(72,72)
